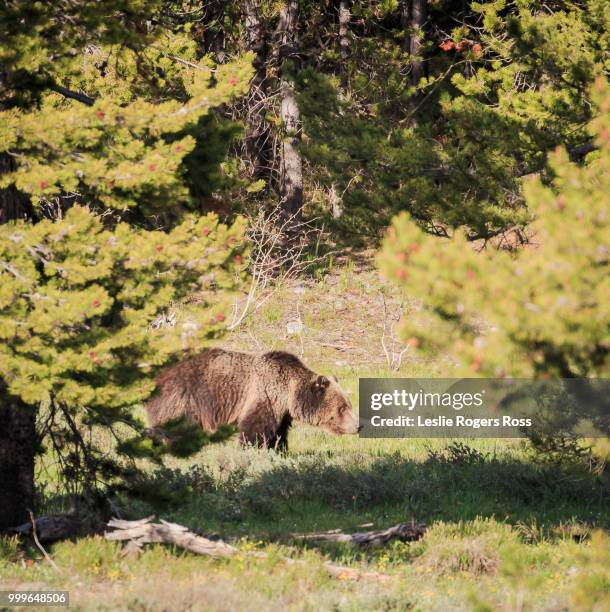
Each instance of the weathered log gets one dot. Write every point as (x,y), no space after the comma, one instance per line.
(146,532)
(405,532)
(138,533)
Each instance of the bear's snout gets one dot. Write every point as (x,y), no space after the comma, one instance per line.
(340,421)
(349,422)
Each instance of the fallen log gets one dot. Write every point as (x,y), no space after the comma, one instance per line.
(51,528)
(144,531)
(405,532)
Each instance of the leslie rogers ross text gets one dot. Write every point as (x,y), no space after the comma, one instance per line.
(444,421)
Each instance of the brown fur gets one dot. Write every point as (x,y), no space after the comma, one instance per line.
(260,394)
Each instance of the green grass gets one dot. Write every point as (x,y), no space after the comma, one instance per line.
(505,532)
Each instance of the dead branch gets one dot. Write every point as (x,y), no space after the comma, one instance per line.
(144,531)
(39,545)
(393,358)
(338,347)
(405,532)
(278,248)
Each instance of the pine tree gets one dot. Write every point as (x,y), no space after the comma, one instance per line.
(499,84)
(128,146)
(540,311)
(77,307)
(106,109)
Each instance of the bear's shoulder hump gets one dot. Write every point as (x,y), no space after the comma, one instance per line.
(284,358)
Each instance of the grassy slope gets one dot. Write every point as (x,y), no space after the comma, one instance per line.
(505,532)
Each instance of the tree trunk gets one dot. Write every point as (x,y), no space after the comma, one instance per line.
(344,19)
(405,24)
(18,442)
(214,36)
(257,140)
(417,18)
(13,205)
(291,172)
(292,167)
(17,420)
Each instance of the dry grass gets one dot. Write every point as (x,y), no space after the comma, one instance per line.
(340,322)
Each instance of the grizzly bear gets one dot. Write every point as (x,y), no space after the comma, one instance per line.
(260,394)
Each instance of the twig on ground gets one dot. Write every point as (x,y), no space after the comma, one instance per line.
(338,347)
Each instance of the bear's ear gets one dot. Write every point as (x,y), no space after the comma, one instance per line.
(321,382)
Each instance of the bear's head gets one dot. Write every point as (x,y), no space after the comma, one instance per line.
(327,406)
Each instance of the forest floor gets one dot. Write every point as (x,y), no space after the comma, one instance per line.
(505,531)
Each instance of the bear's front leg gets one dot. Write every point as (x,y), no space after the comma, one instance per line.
(259,426)
(281,436)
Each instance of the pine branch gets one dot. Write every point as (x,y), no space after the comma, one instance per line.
(581,151)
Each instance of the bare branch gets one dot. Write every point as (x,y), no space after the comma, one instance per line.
(278,248)
(393,358)
(405,532)
(39,545)
(73,95)
(581,151)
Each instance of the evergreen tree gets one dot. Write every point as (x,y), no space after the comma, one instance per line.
(105,116)
(501,84)
(541,311)
(77,307)
(435,107)
(131,142)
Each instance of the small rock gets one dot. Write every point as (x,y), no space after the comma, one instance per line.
(295,328)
